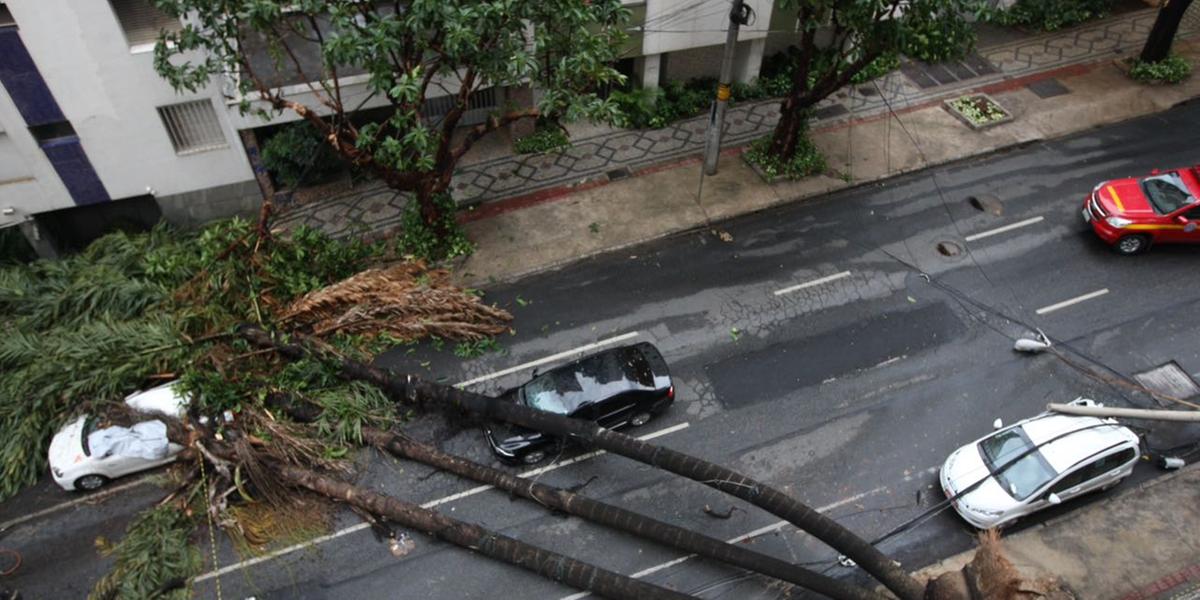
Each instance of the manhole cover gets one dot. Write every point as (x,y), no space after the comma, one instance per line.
(987,203)
(1169,380)
(949,249)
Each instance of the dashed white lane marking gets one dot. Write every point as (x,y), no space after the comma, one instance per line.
(432,503)
(1076,300)
(808,284)
(94,497)
(737,540)
(998,230)
(551,358)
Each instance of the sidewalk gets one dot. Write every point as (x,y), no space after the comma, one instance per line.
(618,188)
(1140,544)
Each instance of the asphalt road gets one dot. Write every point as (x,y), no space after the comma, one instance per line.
(830,349)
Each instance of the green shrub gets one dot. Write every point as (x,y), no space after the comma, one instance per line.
(653,108)
(419,240)
(1049,15)
(13,247)
(297,155)
(543,139)
(1172,69)
(807,160)
(879,67)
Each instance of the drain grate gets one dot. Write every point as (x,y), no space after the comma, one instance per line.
(1169,380)
(1048,88)
(616,174)
(828,112)
(927,75)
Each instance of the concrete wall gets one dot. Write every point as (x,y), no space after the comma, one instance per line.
(110,95)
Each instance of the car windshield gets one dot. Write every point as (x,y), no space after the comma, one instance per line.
(1023,477)
(89,425)
(592,379)
(1167,192)
(542,394)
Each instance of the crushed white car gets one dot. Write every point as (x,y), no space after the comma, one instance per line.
(1036,463)
(83,457)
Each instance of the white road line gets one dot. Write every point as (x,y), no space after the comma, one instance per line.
(1076,300)
(808,284)
(95,497)
(551,358)
(998,230)
(736,540)
(432,503)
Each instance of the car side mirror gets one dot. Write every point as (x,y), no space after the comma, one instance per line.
(1053,498)
(998,423)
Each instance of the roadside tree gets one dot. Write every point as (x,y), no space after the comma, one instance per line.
(840,39)
(1162,34)
(399,55)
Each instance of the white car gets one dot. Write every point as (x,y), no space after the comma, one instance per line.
(1036,463)
(85,458)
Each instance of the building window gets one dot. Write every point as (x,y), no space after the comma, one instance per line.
(143,22)
(192,126)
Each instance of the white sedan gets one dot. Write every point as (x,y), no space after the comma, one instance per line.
(1036,463)
(83,457)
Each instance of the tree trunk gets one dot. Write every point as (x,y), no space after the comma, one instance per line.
(1162,34)
(788,130)
(431,214)
(550,565)
(424,394)
(617,518)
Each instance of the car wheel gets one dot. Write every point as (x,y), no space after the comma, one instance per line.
(1132,244)
(90,482)
(639,419)
(534,457)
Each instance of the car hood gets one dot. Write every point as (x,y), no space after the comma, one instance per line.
(1124,197)
(965,467)
(66,447)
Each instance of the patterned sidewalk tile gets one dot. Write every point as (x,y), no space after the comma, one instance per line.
(375,209)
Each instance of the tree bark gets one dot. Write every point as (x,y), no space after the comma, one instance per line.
(786,136)
(1162,34)
(616,517)
(424,394)
(550,565)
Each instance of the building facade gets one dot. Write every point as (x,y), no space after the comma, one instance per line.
(91,138)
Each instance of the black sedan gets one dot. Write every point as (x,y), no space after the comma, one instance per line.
(627,385)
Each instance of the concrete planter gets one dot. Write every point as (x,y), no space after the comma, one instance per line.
(993,114)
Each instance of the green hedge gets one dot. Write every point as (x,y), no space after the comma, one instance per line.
(297,155)
(1172,69)
(1049,15)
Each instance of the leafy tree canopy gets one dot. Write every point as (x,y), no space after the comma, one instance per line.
(403,53)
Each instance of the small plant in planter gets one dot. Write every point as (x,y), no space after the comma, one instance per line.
(978,111)
(1172,69)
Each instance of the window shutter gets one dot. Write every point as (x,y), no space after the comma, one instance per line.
(192,126)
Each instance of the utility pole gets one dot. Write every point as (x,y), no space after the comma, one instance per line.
(738,15)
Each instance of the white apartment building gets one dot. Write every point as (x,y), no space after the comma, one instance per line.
(92,138)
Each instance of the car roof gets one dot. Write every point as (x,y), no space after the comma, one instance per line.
(1091,435)
(164,398)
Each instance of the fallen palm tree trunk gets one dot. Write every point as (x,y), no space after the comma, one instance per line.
(616,517)
(426,394)
(550,565)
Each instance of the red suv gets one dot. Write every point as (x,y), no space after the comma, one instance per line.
(1131,214)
